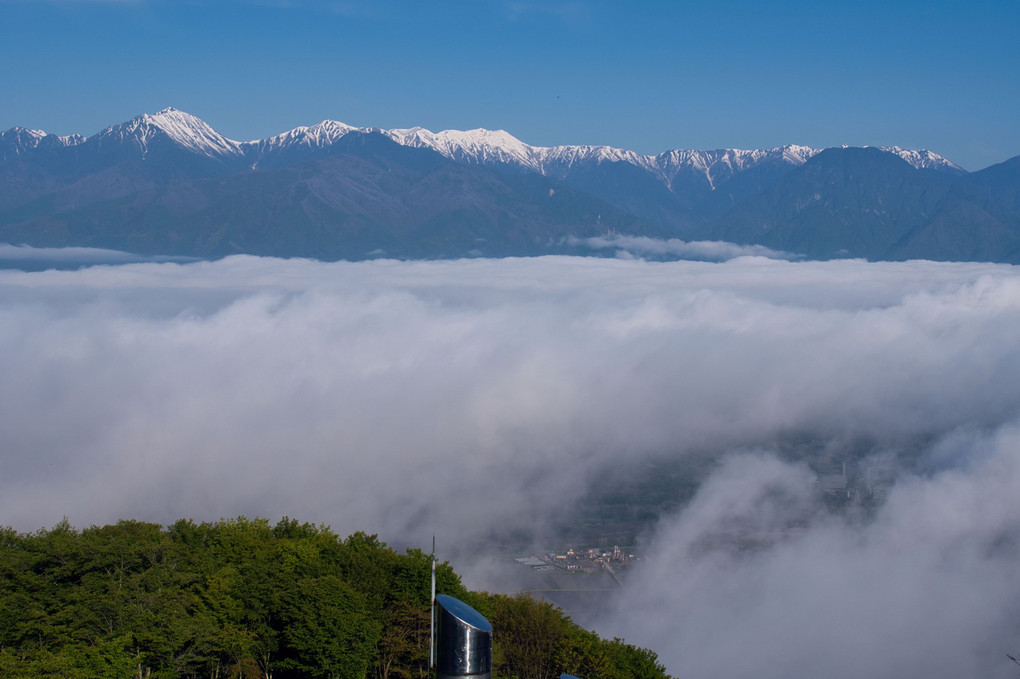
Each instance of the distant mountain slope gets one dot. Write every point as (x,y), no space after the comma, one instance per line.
(854,201)
(862,202)
(979,219)
(370,196)
(167,183)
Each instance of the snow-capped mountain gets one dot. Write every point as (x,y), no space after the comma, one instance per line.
(924,159)
(555,160)
(168,183)
(187,131)
(482,147)
(493,148)
(498,147)
(318,137)
(721,164)
(18,141)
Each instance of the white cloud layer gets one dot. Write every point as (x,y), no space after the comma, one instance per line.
(367,395)
(927,588)
(77,256)
(709,250)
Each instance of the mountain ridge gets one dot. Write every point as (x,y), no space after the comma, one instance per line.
(478,145)
(168,183)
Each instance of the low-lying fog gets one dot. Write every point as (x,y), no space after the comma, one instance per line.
(479,397)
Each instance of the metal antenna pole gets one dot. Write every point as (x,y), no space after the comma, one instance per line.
(432,606)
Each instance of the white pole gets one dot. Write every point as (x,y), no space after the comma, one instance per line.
(432,613)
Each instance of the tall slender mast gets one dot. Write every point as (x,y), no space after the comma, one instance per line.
(432,612)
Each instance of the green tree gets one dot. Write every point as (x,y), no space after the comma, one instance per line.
(527,637)
(633,662)
(329,629)
(404,644)
(584,654)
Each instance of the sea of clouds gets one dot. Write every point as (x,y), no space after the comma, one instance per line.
(470,397)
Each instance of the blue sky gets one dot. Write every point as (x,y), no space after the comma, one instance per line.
(647,76)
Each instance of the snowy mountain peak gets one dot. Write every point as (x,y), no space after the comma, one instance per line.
(566,156)
(23,137)
(476,146)
(18,141)
(721,164)
(924,159)
(70,139)
(499,147)
(186,130)
(25,132)
(796,154)
(319,135)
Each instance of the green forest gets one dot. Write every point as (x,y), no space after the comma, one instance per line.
(245,599)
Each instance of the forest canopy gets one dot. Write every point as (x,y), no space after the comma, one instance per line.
(241,598)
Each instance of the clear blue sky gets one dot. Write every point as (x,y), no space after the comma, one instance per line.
(647,76)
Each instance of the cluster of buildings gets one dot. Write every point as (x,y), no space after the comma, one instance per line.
(582,560)
(871,487)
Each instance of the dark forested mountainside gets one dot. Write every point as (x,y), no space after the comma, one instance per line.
(242,598)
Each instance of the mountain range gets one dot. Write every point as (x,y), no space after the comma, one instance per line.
(169,184)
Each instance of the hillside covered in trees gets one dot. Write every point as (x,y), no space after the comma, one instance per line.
(245,599)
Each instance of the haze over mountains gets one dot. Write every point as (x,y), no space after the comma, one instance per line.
(169,184)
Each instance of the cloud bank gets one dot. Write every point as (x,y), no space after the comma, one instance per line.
(708,250)
(23,256)
(481,396)
(928,587)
